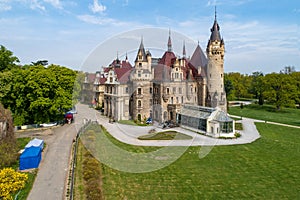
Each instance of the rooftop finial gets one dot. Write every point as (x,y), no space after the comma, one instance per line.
(169,41)
(215,13)
(183,51)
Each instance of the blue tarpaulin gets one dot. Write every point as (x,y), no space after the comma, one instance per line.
(30,158)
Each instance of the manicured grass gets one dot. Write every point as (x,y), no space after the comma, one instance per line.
(127,122)
(268,113)
(266,169)
(238,126)
(166,135)
(131,122)
(21,142)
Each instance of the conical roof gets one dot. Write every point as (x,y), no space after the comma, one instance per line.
(141,52)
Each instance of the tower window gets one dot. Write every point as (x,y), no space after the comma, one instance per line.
(140,64)
(139,103)
(221,75)
(139,90)
(168,91)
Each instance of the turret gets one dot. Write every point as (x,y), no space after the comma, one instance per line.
(215,68)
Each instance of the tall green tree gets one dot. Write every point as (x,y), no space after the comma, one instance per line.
(296,78)
(7,59)
(240,83)
(38,94)
(228,87)
(279,90)
(257,86)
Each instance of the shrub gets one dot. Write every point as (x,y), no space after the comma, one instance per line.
(237,134)
(10,182)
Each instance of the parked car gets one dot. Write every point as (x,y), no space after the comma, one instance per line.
(48,124)
(73,111)
(149,120)
(69,118)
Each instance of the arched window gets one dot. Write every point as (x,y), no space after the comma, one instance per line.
(139,103)
(139,117)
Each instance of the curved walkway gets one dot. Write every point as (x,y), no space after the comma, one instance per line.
(129,134)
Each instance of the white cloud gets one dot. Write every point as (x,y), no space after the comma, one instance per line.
(4,5)
(35,4)
(226,2)
(97,7)
(54,3)
(100,20)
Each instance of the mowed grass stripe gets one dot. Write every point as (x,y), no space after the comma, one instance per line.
(269,113)
(266,169)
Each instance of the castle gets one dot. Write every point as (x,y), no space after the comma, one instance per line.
(188,91)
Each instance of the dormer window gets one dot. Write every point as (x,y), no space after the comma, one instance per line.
(140,57)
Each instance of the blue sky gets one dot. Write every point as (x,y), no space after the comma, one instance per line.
(260,35)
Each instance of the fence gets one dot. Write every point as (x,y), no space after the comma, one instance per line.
(70,185)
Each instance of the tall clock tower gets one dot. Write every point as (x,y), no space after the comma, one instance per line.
(216,96)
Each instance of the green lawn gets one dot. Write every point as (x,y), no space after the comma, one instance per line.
(266,169)
(166,135)
(269,113)
(127,122)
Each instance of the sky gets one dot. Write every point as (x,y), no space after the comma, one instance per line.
(259,35)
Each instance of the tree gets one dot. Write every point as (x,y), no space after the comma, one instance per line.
(280,89)
(37,94)
(40,62)
(7,59)
(8,147)
(240,83)
(228,86)
(257,86)
(296,77)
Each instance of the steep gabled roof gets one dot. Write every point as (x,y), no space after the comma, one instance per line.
(123,74)
(198,58)
(167,59)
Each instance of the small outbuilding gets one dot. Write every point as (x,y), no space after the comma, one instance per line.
(211,121)
(30,158)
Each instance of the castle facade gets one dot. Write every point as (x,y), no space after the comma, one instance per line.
(189,91)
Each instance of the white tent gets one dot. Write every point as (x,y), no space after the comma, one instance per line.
(35,143)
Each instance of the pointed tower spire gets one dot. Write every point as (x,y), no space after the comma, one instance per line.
(141,55)
(183,50)
(215,13)
(169,42)
(215,30)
